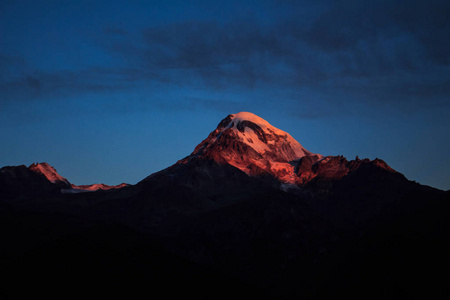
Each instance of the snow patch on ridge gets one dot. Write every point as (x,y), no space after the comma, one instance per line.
(250,138)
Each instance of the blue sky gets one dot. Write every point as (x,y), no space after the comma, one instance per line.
(112,91)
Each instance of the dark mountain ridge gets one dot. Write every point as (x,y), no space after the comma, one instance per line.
(41,179)
(253,207)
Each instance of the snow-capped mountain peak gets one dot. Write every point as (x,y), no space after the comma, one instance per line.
(251,144)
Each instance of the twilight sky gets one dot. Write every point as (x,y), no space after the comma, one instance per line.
(112,91)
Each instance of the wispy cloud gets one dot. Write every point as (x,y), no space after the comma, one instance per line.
(372,51)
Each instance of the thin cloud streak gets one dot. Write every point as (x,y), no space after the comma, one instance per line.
(374,51)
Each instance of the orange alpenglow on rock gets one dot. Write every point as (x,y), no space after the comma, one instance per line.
(252,145)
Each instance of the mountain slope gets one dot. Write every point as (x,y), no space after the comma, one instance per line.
(252,203)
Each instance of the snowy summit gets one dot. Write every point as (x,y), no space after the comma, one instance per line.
(251,144)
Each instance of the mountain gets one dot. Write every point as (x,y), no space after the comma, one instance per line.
(252,145)
(41,179)
(249,207)
(50,173)
(94,187)
(37,179)
(253,202)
